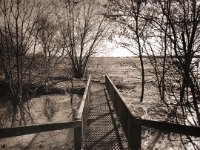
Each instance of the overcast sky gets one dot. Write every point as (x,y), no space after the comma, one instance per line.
(111,49)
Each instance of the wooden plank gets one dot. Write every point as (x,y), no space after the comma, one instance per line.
(18,131)
(134,134)
(79,133)
(83,102)
(77,138)
(124,118)
(169,127)
(113,87)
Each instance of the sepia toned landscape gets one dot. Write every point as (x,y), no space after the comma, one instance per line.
(99,74)
(55,107)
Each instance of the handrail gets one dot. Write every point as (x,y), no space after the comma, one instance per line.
(84,101)
(132,125)
(18,131)
(83,114)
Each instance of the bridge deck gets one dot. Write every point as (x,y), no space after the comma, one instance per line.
(104,130)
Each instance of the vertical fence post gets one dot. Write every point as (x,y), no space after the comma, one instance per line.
(134,134)
(77,138)
(136,137)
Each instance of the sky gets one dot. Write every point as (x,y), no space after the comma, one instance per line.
(113,50)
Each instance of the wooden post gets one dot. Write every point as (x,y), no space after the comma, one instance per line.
(77,138)
(136,137)
(134,134)
(79,132)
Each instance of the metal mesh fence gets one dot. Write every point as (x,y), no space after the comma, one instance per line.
(104,130)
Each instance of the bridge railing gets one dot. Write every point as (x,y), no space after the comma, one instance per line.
(132,125)
(83,113)
(78,125)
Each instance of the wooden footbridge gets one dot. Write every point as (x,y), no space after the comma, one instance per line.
(104,122)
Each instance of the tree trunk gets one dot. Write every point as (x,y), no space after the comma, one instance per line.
(143,78)
(78,72)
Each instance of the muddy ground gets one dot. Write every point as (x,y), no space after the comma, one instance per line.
(54,107)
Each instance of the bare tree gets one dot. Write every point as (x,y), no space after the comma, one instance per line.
(171,40)
(182,21)
(82,27)
(174,26)
(177,28)
(49,45)
(18,19)
(130,15)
